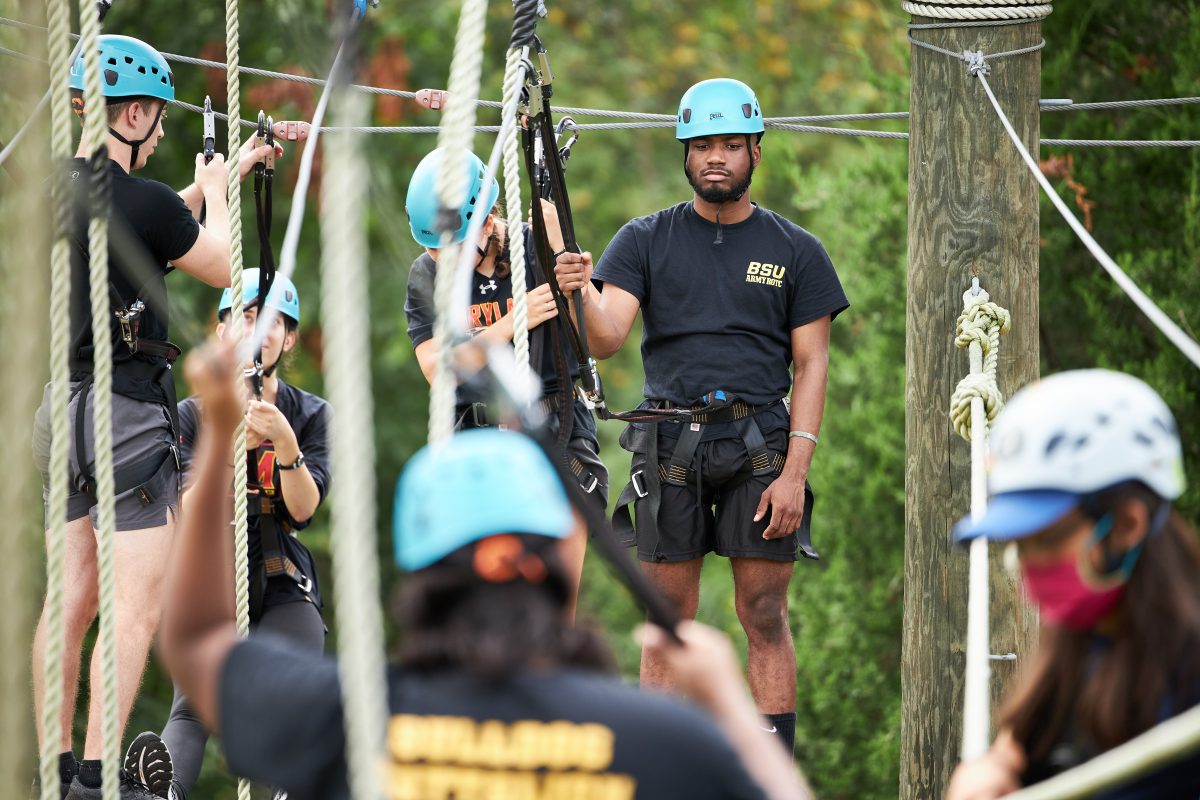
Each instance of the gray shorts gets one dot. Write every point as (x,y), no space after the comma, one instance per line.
(144,453)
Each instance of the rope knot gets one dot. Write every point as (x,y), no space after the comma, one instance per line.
(976,63)
(981,322)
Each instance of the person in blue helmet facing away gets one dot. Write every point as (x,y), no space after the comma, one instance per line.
(1084,469)
(490,313)
(153,229)
(495,693)
(736,306)
(287,445)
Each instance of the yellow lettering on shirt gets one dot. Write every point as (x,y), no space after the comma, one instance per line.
(765,274)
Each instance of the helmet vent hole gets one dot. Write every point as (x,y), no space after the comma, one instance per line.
(1143,439)
(110,77)
(1102,420)
(469,213)
(1054,442)
(112,61)
(142,70)
(1081,442)
(128,59)
(687,116)
(154,70)
(747,111)
(472,201)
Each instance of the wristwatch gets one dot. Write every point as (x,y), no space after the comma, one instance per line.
(297,464)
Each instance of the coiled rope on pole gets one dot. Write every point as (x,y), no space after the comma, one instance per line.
(241,477)
(455,139)
(58,48)
(980,9)
(513,77)
(975,403)
(95,131)
(344,296)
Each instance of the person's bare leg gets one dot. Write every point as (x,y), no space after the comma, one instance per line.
(79,612)
(141,563)
(679,581)
(572,551)
(761,597)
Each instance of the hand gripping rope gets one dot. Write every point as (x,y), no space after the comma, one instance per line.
(544,157)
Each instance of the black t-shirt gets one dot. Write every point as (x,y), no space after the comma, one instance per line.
(152,214)
(491,301)
(720,316)
(309,417)
(558,734)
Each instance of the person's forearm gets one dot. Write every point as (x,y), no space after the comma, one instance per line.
(297,486)
(199,586)
(193,198)
(758,750)
(604,338)
(808,408)
(217,221)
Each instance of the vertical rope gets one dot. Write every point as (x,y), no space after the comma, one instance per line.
(975,403)
(513,77)
(58,48)
(95,131)
(455,137)
(241,563)
(344,300)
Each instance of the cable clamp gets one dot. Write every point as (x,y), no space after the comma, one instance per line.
(976,63)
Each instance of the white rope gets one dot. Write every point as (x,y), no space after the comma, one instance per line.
(513,78)
(455,140)
(980,10)
(95,132)
(344,298)
(975,403)
(241,477)
(1163,744)
(1185,343)
(58,14)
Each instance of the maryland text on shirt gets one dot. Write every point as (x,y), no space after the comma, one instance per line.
(458,757)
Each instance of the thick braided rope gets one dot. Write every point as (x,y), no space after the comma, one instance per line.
(512,200)
(344,295)
(980,325)
(241,535)
(455,138)
(980,9)
(58,46)
(95,131)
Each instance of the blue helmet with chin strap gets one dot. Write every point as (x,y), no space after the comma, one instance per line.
(129,69)
(718,106)
(422,204)
(283,295)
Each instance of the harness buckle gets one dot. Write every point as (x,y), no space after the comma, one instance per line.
(638,489)
(591,487)
(128,320)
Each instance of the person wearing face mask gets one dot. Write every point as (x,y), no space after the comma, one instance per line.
(287,444)
(491,318)
(1085,468)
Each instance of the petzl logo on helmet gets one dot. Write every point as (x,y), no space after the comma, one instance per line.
(716,115)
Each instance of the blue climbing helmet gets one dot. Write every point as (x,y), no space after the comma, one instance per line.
(477,484)
(718,106)
(129,68)
(283,295)
(422,202)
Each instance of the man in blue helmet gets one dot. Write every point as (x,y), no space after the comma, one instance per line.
(152,230)
(732,296)
(496,694)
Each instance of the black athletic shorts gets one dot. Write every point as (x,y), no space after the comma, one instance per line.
(717,516)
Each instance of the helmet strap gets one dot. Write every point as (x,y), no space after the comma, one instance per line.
(135,145)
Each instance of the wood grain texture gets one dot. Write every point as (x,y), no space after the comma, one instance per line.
(973,211)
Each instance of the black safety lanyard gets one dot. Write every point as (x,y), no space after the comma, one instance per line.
(264,176)
(210,146)
(548,176)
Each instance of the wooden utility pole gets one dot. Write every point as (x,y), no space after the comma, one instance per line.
(973,212)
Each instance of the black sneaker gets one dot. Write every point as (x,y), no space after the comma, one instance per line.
(148,761)
(131,789)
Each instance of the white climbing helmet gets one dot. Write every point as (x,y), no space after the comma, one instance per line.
(1070,435)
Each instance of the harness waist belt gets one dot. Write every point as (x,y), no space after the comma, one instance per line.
(709,415)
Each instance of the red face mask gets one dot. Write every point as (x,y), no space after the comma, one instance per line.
(1064,599)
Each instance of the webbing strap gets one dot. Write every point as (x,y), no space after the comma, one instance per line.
(679,467)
